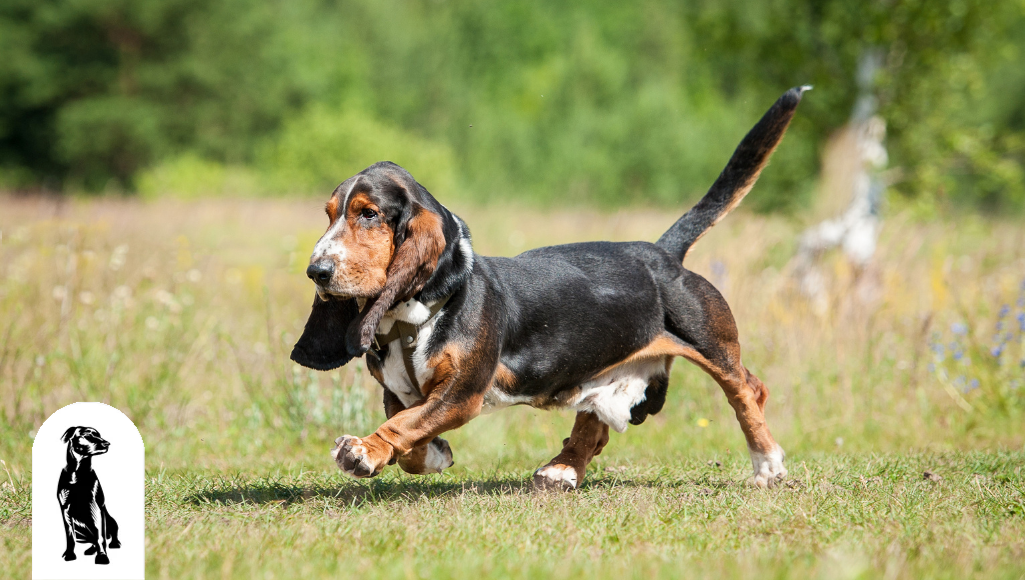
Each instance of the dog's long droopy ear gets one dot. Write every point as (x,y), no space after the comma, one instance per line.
(69,434)
(420,240)
(322,345)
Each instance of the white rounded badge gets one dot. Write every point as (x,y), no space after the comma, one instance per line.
(88,496)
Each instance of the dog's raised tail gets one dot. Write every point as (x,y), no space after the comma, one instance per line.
(739,176)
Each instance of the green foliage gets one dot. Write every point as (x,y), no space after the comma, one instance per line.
(189,176)
(92,91)
(544,101)
(321,147)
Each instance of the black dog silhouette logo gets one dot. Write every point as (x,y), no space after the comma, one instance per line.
(88,495)
(83,506)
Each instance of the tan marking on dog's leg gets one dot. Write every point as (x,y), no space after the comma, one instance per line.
(747,395)
(566,471)
(415,426)
(432,457)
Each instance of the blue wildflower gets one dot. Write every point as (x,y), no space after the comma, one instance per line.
(1004,310)
(958,354)
(958,328)
(996,351)
(1021,321)
(974,384)
(932,367)
(1000,325)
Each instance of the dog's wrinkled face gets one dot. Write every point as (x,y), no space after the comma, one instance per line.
(85,441)
(351,259)
(386,237)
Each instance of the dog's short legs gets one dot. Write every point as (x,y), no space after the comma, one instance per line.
(453,397)
(566,471)
(433,457)
(415,427)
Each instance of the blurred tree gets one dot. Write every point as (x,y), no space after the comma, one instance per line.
(93,90)
(944,60)
(609,103)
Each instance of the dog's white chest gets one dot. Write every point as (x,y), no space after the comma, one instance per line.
(393,367)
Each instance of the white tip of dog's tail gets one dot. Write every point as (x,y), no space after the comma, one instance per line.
(805,88)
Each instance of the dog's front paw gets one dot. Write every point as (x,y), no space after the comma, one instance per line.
(69,555)
(768,468)
(556,477)
(102,559)
(114,544)
(357,457)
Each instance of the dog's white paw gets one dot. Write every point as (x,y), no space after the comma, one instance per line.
(557,477)
(352,457)
(439,456)
(768,468)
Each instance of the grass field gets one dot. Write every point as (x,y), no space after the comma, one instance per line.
(182,315)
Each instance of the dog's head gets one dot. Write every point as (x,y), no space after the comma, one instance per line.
(387,240)
(85,441)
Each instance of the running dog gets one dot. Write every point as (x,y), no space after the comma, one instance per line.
(593,327)
(86,519)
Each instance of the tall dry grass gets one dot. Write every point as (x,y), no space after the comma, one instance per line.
(183,315)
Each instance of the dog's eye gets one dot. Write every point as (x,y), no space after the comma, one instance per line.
(368,214)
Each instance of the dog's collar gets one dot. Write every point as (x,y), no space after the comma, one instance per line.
(408,335)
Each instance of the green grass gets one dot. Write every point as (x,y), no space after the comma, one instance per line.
(839,516)
(182,315)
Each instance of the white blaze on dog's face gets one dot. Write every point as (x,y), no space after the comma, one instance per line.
(86,441)
(351,259)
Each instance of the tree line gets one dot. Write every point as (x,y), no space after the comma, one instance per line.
(599,102)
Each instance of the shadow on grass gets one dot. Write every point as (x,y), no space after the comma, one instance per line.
(351,493)
(354,493)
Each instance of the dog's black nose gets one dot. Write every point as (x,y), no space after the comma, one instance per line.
(321,272)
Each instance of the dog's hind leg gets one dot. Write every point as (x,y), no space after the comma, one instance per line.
(701,318)
(566,471)
(747,396)
(111,530)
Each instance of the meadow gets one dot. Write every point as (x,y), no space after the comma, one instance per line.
(900,401)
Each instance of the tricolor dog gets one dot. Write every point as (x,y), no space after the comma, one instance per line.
(593,327)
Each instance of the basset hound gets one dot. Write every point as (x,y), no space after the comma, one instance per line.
(593,327)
